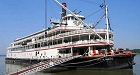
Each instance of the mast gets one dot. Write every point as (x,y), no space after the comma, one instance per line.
(107,27)
(107,23)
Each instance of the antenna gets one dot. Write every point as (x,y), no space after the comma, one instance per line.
(45,26)
(104,1)
(45,14)
(74,11)
(79,12)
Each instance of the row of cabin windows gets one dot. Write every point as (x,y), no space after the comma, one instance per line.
(44,44)
(72,18)
(41,37)
(38,45)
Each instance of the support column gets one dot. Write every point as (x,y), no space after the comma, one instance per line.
(71,39)
(71,51)
(71,47)
(79,37)
(62,40)
(89,42)
(89,37)
(89,48)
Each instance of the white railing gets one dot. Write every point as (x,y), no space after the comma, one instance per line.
(87,31)
(77,42)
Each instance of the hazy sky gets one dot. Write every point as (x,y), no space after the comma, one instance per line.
(22,17)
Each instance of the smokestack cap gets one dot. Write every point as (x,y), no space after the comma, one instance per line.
(64,4)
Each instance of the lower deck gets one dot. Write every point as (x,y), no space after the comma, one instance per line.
(48,53)
(118,61)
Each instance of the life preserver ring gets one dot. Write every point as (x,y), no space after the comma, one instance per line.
(111,52)
(95,52)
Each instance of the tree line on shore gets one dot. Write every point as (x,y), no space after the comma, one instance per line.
(136,51)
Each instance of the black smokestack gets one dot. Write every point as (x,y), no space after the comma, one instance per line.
(63,10)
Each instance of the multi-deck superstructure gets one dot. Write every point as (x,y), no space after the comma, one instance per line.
(58,39)
(69,37)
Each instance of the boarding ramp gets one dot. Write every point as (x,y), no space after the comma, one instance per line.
(43,65)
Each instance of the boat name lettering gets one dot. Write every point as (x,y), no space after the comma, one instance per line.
(109,58)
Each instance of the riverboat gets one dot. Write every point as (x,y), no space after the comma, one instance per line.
(71,36)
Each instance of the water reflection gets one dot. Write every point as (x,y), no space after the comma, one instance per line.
(96,72)
(12,68)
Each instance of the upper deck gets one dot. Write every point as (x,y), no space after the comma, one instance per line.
(67,29)
(57,35)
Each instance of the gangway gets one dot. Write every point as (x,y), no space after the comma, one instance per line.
(43,65)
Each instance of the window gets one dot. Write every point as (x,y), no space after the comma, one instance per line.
(31,46)
(44,53)
(35,45)
(65,19)
(72,18)
(42,44)
(45,43)
(68,18)
(38,44)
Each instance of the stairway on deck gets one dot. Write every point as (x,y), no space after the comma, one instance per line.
(43,65)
